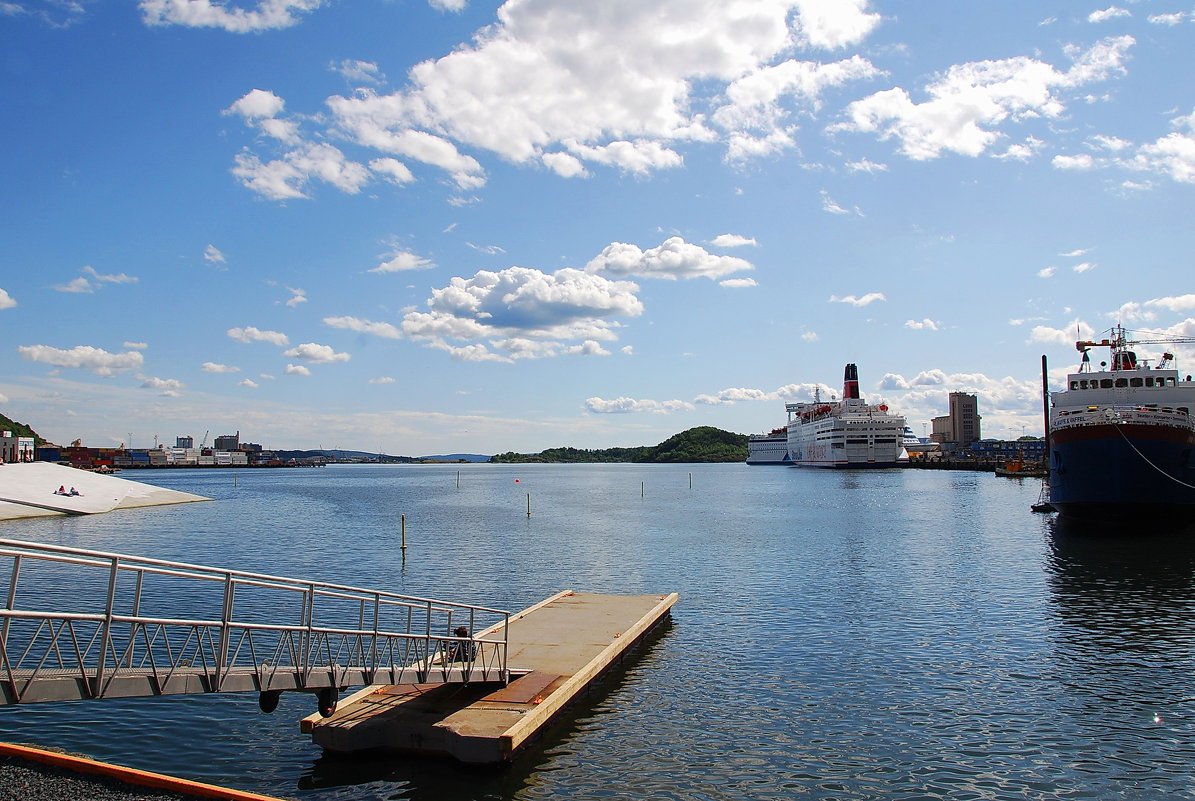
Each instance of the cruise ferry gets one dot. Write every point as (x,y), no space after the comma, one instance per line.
(845,433)
(770,448)
(1122,439)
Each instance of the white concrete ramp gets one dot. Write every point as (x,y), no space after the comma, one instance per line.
(31,489)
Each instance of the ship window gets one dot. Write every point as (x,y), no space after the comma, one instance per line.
(1136,382)
(1122,382)
(1184,410)
(1075,385)
(1106,383)
(1149,381)
(837,445)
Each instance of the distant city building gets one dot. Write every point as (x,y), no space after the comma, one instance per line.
(184,442)
(14,448)
(961,425)
(228,442)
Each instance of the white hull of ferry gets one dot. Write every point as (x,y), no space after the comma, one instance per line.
(851,441)
(768,449)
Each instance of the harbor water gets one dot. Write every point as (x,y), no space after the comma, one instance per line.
(897,634)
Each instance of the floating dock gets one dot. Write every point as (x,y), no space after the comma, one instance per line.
(30,489)
(565,641)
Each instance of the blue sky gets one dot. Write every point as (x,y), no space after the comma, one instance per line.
(430,226)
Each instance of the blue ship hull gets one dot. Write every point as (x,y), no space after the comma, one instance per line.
(1112,470)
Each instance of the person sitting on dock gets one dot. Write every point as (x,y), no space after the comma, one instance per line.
(462,651)
(74,492)
(60,491)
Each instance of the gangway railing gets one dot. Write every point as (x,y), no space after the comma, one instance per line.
(82,624)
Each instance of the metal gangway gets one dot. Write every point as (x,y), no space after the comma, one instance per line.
(80,624)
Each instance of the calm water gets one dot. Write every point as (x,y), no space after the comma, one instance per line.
(877,635)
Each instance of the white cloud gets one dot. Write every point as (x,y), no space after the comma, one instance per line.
(511,307)
(248,382)
(364,326)
(675,258)
(316,354)
(631,405)
(566,85)
(863,300)
(357,71)
(810,336)
(269,14)
(922,325)
(297,296)
(287,178)
(382,380)
(1111,12)
(1082,161)
(6,301)
(738,283)
(966,105)
(83,357)
(212,255)
(135,345)
(1074,254)
(118,278)
(296,369)
(170,387)
(448,5)
(1083,267)
(1176,18)
(402,260)
(392,170)
(1134,311)
(257,104)
(828,204)
(864,165)
(1067,335)
(732,241)
(251,334)
(214,367)
(1047,272)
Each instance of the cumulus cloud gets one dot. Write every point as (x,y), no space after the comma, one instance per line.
(401,261)
(215,367)
(513,308)
(6,301)
(170,387)
(1148,310)
(863,300)
(288,177)
(732,241)
(316,354)
(632,405)
(966,106)
(84,357)
(1111,12)
(570,86)
(247,382)
(922,325)
(357,71)
(296,369)
(1047,272)
(297,296)
(385,379)
(251,334)
(268,15)
(364,326)
(673,259)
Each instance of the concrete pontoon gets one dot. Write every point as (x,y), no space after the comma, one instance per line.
(560,646)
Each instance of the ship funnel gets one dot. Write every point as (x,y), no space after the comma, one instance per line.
(850,382)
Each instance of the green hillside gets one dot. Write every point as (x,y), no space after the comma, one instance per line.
(701,444)
(19,429)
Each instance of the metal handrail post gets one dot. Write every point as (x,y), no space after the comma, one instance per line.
(225,633)
(12,600)
(97,688)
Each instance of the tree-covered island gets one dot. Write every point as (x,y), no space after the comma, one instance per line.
(700,444)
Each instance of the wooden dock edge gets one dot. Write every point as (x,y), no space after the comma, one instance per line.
(133,776)
(307,724)
(517,735)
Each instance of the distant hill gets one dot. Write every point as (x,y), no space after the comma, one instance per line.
(701,444)
(456,457)
(338,455)
(19,429)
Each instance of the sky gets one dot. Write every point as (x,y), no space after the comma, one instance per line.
(454,226)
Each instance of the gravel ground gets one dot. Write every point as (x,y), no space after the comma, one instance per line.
(22,780)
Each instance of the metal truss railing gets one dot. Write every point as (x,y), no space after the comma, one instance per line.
(87,624)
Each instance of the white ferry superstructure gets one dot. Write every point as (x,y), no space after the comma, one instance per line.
(849,433)
(770,448)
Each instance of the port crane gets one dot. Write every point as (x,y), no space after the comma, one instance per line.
(1119,344)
